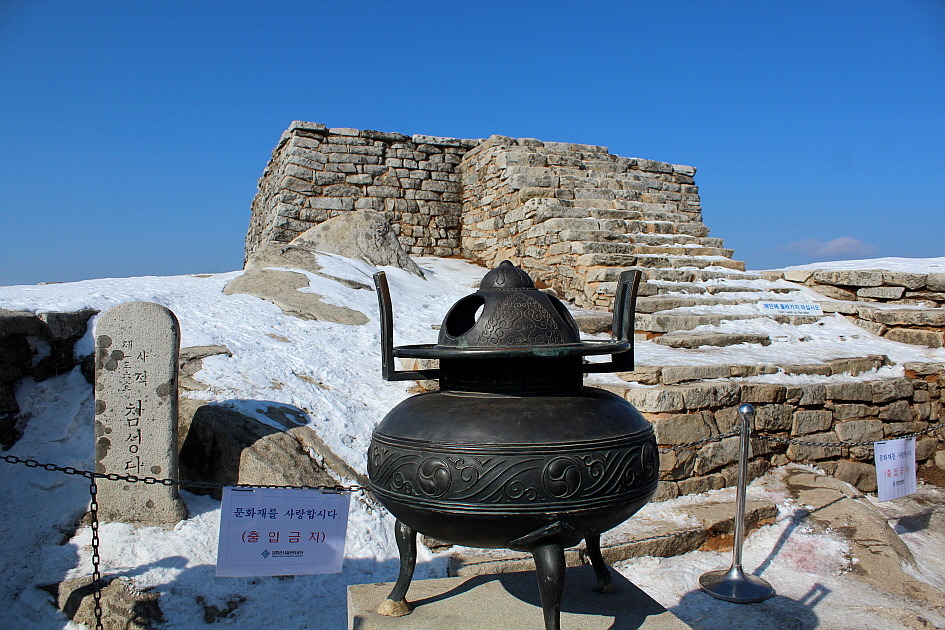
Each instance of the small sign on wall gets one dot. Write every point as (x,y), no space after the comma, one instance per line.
(790,308)
(281,531)
(895,468)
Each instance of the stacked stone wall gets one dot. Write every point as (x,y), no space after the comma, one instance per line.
(868,296)
(835,411)
(316,173)
(571,214)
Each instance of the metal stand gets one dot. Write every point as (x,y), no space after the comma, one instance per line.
(734,585)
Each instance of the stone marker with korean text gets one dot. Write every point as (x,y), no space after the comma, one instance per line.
(136,370)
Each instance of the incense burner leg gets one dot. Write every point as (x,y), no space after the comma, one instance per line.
(605,583)
(550,567)
(396,603)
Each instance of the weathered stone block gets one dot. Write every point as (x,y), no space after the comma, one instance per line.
(848,410)
(850,278)
(715,455)
(805,452)
(881,293)
(910,281)
(813,394)
(935,281)
(678,374)
(762,393)
(773,418)
(891,389)
(930,338)
(707,395)
(849,391)
(680,428)
(899,411)
(805,422)
(656,400)
(859,430)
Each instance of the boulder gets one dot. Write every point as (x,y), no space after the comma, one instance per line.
(364,235)
(282,289)
(123,606)
(229,447)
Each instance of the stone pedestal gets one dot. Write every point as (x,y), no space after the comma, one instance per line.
(510,601)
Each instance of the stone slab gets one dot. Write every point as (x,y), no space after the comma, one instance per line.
(136,376)
(510,601)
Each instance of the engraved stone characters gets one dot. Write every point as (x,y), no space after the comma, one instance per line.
(136,372)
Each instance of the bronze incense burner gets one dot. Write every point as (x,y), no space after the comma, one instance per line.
(513,451)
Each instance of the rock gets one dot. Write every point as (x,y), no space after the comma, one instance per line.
(228,447)
(811,422)
(191,361)
(911,317)
(282,289)
(364,235)
(123,606)
(930,338)
(282,255)
(850,278)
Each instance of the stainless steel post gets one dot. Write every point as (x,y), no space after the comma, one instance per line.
(734,585)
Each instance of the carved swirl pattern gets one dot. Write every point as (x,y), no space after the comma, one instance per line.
(520,320)
(512,479)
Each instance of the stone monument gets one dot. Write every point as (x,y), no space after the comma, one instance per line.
(136,371)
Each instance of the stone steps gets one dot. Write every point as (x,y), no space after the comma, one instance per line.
(691,341)
(654,324)
(599,247)
(656,240)
(657,303)
(686,275)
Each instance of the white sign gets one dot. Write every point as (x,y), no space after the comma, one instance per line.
(895,468)
(790,308)
(281,531)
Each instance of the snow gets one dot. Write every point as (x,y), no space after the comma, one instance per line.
(331,372)
(908,265)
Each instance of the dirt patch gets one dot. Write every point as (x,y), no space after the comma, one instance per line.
(932,475)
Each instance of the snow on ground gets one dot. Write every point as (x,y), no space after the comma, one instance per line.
(332,373)
(908,265)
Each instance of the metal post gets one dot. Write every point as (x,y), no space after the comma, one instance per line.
(734,585)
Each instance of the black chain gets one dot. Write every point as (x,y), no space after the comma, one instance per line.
(91,475)
(783,440)
(712,438)
(93,507)
(93,486)
(96,557)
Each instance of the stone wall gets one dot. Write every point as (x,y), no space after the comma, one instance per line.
(38,346)
(865,297)
(316,173)
(574,216)
(873,285)
(831,411)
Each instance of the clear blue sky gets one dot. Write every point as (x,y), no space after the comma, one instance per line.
(132,133)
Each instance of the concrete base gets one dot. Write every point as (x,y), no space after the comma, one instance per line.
(509,601)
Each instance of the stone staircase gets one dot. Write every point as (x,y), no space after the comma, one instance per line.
(575,217)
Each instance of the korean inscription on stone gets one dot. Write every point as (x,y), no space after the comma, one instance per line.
(136,354)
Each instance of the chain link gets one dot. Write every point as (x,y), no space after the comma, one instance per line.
(96,557)
(93,486)
(783,440)
(697,443)
(91,475)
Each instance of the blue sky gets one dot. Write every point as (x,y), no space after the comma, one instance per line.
(132,133)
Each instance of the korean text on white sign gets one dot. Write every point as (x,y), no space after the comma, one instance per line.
(281,531)
(895,468)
